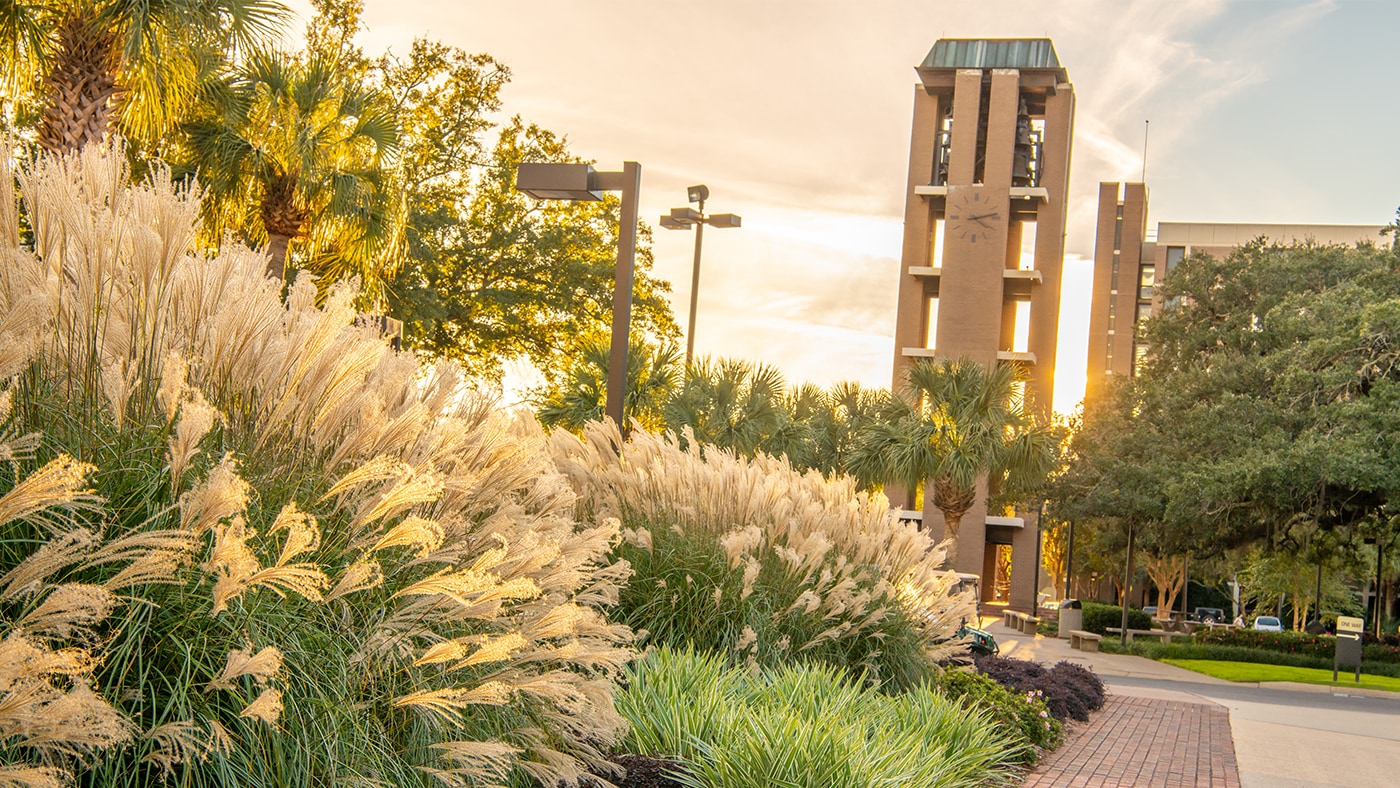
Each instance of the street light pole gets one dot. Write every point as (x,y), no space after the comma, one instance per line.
(684,219)
(622,294)
(694,287)
(551,181)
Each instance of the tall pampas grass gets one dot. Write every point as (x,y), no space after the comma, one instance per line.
(247,543)
(761,562)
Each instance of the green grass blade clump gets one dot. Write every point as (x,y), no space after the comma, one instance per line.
(807,727)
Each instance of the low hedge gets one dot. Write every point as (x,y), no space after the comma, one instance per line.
(1153,649)
(1319,646)
(1098,618)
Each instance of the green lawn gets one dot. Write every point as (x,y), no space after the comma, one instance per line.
(1250,671)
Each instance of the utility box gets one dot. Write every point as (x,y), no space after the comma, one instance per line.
(1348,645)
(1071,617)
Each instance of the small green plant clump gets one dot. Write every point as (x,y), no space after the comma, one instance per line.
(809,726)
(1021,716)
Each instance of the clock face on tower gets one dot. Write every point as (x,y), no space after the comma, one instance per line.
(971,218)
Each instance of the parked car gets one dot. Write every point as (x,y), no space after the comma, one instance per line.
(1268,624)
(1209,615)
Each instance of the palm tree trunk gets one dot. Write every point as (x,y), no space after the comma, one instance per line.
(953,502)
(81,91)
(952,521)
(277,255)
(283,217)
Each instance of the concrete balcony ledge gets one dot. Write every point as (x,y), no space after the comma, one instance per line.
(925,270)
(1019,274)
(1030,193)
(1017,192)
(1002,355)
(918,516)
(1011,355)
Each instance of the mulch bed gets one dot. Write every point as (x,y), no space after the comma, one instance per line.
(642,772)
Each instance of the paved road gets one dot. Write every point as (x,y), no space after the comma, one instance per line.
(1297,736)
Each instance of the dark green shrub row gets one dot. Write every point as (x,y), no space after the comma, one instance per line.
(1153,649)
(1098,618)
(1320,646)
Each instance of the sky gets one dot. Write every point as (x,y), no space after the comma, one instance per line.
(797,116)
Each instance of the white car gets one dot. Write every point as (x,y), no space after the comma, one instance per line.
(1268,624)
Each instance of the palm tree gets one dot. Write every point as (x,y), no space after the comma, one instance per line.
(837,427)
(956,423)
(98,61)
(653,374)
(295,154)
(737,405)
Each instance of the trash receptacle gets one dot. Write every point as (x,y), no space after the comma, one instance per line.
(1071,617)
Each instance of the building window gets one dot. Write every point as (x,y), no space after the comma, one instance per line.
(1139,356)
(1144,311)
(1146,278)
(1174,255)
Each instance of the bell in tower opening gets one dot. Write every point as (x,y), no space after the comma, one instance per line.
(1023,160)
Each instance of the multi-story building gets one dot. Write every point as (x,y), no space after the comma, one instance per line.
(1129,260)
(983,246)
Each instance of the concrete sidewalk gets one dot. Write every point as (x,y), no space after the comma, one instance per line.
(1284,736)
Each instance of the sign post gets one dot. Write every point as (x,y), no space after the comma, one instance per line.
(1348,645)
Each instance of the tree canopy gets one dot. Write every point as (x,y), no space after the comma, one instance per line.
(1265,412)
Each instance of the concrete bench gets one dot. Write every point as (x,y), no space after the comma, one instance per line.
(1084,641)
(1029,624)
(1011,619)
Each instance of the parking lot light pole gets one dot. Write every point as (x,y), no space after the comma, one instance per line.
(548,181)
(684,219)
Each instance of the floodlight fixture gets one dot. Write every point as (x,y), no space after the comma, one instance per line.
(547,181)
(684,219)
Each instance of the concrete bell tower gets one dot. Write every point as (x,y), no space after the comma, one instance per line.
(984,224)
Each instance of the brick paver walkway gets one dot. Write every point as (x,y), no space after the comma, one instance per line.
(1147,742)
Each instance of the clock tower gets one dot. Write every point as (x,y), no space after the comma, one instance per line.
(984,224)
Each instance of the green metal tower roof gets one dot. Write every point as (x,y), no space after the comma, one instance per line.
(949,53)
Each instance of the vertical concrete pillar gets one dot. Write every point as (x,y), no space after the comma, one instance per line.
(912,315)
(1001,127)
(1023,565)
(911,321)
(967,106)
(1099,339)
(1050,245)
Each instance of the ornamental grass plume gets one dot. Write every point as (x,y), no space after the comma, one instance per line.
(763,563)
(289,555)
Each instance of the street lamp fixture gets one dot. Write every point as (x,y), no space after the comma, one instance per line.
(546,181)
(684,219)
